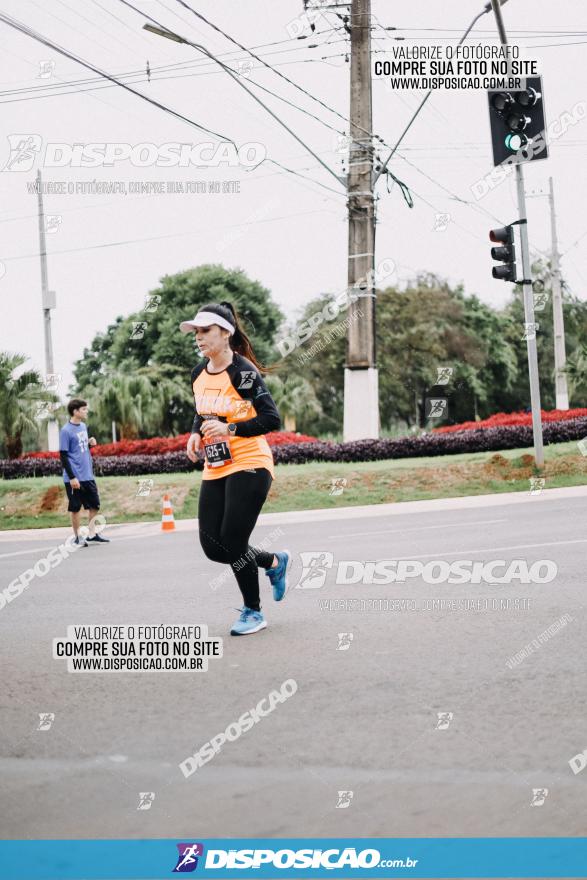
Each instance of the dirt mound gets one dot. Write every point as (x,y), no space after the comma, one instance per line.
(51,500)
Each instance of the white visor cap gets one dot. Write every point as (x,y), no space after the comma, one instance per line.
(204,319)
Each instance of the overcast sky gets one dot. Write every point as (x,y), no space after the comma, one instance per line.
(289,233)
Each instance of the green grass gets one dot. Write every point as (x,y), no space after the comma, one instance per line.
(305,486)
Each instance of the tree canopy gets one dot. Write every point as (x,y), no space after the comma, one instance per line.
(136,373)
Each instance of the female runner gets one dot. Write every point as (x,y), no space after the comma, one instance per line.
(234,410)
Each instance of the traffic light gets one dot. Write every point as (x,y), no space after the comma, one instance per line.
(506,253)
(517,123)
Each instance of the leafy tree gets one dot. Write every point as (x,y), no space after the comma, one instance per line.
(20,397)
(575,318)
(419,329)
(152,337)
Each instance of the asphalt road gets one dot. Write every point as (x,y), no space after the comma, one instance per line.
(364,718)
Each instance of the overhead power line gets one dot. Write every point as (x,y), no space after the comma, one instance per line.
(258,58)
(109,244)
(238,79)
(159,67)
(29,32)
(24,29)
(382,170)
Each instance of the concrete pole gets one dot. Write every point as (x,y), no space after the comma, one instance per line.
(560,357)
(48,302)
(361,397)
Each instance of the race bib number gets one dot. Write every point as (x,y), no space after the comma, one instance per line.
(218,453)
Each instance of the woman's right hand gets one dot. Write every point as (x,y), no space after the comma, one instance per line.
(192,446)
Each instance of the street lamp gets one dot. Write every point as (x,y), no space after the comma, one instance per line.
(163,33)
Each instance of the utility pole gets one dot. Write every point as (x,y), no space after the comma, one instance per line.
(560,357)
(361,395)
(48,303)
(526,288)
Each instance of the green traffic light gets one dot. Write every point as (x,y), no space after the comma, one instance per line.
(514,141)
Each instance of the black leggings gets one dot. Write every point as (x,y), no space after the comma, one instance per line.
(227,512)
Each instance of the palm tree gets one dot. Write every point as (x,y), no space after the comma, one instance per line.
(19,401)
(295,399)
(172,403)
(576,369)
(140,401)
(123,399)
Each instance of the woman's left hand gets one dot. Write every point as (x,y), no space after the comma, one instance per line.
(212,429)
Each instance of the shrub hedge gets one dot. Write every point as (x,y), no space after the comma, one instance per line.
(500,420)
(431,444)
(160,445)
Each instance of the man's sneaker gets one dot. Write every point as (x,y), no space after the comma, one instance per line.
(249,622)
(278,575)
(81,541)
(98,539)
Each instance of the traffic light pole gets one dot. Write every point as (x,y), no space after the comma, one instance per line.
(526,288)
(531,329)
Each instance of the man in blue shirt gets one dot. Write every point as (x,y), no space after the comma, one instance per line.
(78,472)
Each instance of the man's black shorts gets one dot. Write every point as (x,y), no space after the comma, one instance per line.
(87,494)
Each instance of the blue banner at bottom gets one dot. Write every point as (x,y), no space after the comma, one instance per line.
(294,857)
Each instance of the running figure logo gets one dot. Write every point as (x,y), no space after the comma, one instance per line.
(187,860)
(539,795)
(152,302)
(537,485)
(314,566)
(444,719)
(52,223)
(530,331)
(441,222)
(344,800)
(82,439)
(46,719)
(138,329)
(247,378)
(146,799)
(46,69)
(23,151)
(443,375)
(436,407)
(338,485)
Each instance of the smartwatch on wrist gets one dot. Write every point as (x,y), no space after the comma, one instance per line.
(232,429)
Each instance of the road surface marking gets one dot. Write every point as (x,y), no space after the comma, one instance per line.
(483,522)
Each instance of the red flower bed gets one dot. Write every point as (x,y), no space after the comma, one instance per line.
(498,420)
(160,445)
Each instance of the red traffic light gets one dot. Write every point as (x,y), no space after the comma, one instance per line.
(504,235)
(502,101)
(506,253)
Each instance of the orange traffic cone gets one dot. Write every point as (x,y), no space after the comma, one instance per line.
(167,520)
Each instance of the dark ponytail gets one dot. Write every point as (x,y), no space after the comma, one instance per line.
(239,341)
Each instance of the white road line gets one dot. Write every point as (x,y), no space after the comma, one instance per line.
(484,522)
(32,550)
(442,553)
(53,546)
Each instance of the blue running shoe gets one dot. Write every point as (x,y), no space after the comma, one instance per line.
(249,622)
(278,575)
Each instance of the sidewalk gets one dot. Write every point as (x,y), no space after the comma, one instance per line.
(306,516)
